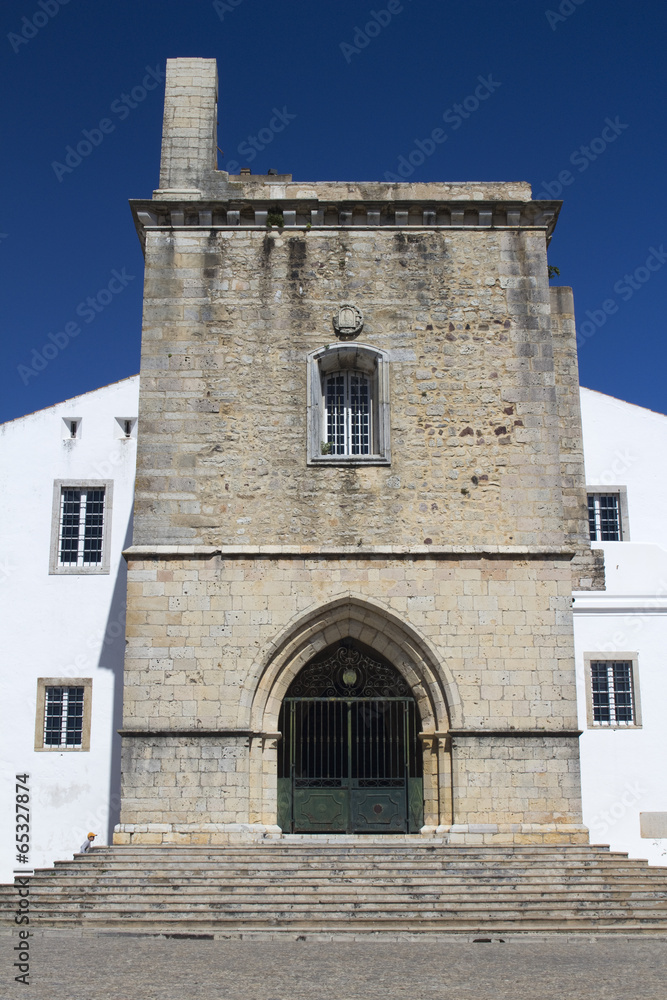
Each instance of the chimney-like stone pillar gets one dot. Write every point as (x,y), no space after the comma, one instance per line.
(189,129)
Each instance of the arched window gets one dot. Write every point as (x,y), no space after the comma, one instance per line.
(348,406)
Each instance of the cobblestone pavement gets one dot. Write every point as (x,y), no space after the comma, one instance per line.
(69,966)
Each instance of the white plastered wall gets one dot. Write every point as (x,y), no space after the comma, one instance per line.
(69,626)
(623,770)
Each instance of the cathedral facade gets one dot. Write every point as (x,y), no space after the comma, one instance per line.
(360,508)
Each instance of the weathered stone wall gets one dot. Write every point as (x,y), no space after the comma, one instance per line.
(185,780)
(229,319)
(203,633)
(200,631)
(190,128)
(453,561)
(588,564)
(516,784)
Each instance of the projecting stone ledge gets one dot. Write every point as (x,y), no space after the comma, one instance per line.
(359,552)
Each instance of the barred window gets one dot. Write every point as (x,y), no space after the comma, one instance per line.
(63,717)
(347,409)
(612,692)
(348,406)
(81,527)
(604,517)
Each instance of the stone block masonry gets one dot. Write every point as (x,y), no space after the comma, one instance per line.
(230,319)
(205,636)
(449,554)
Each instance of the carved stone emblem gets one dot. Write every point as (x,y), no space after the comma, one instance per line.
(348,321)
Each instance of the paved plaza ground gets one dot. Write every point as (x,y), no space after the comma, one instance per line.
(74,966)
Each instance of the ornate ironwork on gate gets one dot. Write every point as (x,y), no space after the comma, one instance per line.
(350,760)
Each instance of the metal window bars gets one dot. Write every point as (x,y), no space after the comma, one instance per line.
(604,520)
(81,527)
(347,406)
(63,717)
(613,696)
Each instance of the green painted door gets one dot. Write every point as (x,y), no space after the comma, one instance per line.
(350,760)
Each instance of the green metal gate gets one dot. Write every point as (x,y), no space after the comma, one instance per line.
(349,759)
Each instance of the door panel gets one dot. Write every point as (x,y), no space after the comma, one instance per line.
(377,810)
(323,810)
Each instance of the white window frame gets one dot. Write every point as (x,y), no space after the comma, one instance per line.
(349,423)
(101,567)
(621,494)
(347,359)
(610,659)
(43,684)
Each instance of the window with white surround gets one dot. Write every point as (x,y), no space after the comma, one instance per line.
(81,515)
(612,691)
(348,408)
(607,514)
(63,713)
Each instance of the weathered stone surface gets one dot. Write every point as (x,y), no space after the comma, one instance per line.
(452,561)
(230,318)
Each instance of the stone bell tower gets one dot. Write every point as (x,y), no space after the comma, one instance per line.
(360,504)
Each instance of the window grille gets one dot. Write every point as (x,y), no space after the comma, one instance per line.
(63,717)
(613,696)
(604,519)
(81,527)
(347,412)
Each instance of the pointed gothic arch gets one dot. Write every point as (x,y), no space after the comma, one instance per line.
(431,682)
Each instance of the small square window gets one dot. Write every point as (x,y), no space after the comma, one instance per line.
(71,428)
(126,428)
(63,713)
(612,695)
(81,527)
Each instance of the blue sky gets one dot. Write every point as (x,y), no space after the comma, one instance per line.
(577,109)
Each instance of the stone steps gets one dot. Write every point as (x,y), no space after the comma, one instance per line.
(288,886)
(497,883)
(351,900)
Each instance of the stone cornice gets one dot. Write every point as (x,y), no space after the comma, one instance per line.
(141,552)
(406,210)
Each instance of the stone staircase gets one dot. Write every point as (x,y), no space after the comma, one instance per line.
(361,885)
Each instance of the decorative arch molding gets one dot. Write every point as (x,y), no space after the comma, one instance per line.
(432,683)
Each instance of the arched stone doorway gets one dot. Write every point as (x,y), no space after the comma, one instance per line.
(430,681)
(350,760)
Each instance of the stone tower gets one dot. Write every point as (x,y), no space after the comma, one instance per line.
(360,492)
